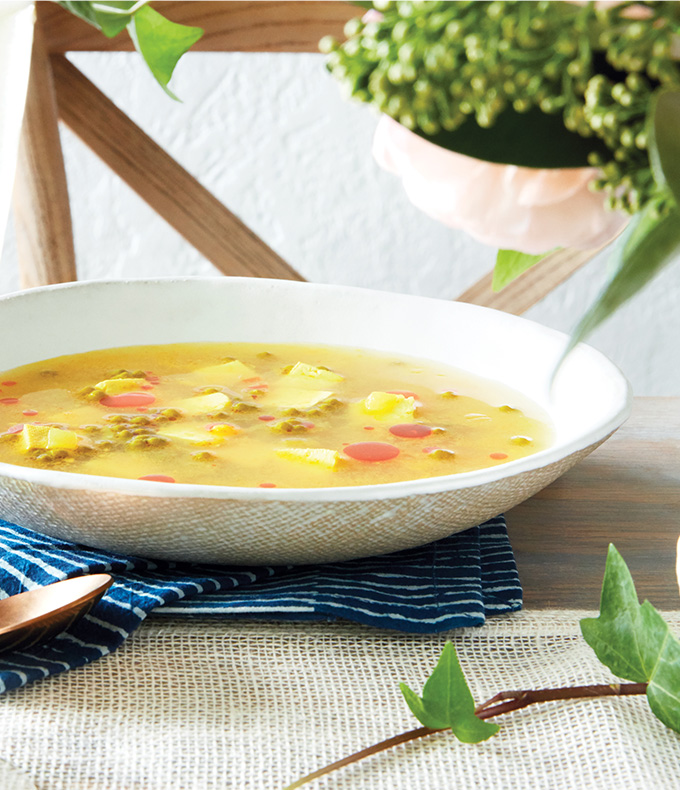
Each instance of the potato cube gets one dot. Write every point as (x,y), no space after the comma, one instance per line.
(304,371)
(58,439)
(41,437)
(227,373)
(203,404)
(294,398)
(34,437)
(118,386)
(316,457)
(239,370)
(199,436)
(384,405)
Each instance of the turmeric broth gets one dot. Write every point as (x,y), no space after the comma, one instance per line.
(268,415)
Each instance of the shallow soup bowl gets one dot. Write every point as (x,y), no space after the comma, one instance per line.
(590,398)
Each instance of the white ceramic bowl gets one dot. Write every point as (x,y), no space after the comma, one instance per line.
(222,524)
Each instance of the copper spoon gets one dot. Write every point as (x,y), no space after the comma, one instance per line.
(32,617)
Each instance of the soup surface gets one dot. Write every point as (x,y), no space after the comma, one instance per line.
(243,414)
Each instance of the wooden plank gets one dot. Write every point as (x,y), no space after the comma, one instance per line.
(42,216)
(532,286)
(156,177)
(229,26)
(627,493)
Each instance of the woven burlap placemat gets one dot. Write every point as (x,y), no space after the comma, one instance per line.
(233,705)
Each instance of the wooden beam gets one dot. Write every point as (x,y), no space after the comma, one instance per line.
(229,26)
(532,286)
(42,217)
(157,178)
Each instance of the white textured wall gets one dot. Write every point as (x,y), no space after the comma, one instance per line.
(270,135)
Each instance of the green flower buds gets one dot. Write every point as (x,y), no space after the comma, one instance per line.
(432,65)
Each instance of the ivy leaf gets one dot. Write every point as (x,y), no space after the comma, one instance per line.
(664,142)
(109,17)
(419,711)
(653,243)
(635,642)
(510,264)
(447,701)
(663,691)
(161,43)
(614,634)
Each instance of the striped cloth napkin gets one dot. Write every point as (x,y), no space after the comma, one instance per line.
(454,582)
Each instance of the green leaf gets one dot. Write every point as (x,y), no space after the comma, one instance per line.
(510,264)
(614,634)
(653,243)
(418,709)
(161,43)
(664,140)
(635,642)
(509,142)
(109,17)
(447,701)
(663,691)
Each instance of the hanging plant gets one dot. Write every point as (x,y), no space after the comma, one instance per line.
(531,125)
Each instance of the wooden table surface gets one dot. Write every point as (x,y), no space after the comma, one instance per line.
(626,493)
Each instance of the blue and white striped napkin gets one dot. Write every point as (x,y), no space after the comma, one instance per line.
(454,582)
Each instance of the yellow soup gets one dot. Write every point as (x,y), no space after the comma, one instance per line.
(244,414)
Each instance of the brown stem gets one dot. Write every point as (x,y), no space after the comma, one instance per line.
(503,702)
(514,700)
(411,735)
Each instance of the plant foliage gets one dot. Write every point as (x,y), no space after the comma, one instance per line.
(158,40)
(632,640)
(539,84)
(635,642)
(510,264)
(447,701)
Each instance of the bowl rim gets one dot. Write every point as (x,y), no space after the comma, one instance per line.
(405,488)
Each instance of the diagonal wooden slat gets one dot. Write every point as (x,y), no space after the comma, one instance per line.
(531,286)
(157,178)
(42,217)
(229,26)
(170,190)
